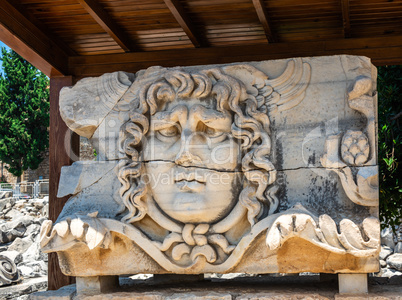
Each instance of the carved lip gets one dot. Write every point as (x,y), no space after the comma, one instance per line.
(190,181)
(190,186)
(190,177)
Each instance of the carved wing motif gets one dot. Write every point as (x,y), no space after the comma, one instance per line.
(278,94)
(289,89)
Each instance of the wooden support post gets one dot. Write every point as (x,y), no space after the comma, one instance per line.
(63,147)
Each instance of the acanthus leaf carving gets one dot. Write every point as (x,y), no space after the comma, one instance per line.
(296,222)
(87,229)
(324,233)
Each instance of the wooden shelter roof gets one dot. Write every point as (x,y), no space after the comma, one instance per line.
(90,37)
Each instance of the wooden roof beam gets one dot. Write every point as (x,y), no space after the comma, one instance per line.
(382,50)
(100,15)
(182,18)
(44,28)
(346,18)
(30,42)
(264,20)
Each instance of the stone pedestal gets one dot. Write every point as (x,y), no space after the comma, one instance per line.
(96,284)
(353,283)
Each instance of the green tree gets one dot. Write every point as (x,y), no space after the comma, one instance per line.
(24,113)
(390,143)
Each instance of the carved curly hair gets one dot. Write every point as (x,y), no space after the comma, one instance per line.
(250,126)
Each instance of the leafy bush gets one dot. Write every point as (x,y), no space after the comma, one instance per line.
(389,144)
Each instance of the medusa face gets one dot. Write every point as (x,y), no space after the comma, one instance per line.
(191,161)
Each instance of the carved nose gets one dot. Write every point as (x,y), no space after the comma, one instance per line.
(185,158)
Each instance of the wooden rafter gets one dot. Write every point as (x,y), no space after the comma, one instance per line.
(99,14)
(182,18)
(264,20)
(346,18)
(45,29)
(29,41)
(382,50)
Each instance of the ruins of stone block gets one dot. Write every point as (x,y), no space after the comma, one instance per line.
(257,167)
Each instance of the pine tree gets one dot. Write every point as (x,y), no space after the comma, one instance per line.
(24,113)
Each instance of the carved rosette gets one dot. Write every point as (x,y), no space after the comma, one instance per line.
(355,148)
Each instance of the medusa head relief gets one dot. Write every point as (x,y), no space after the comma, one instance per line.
(197,159)
(189,184)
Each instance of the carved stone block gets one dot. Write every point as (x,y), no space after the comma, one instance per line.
(259,167)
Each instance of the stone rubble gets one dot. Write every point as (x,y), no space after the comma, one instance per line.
(20,221)
(391,254)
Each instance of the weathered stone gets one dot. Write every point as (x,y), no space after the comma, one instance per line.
(387,237)
(282,296)
(385,252)
(84,108)
(391,273)
(13,214)
(395,261)
(34,253)
(64,293)
(6,203)
(33,269)
(159,296)
(27,272)
(81,175)
(200,296)
(27,287)
(16,228)
(15,256)
(97,193)
(20,245)
(10,235)
(398,247)
(260,167)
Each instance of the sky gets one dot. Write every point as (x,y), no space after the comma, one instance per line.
(1,46)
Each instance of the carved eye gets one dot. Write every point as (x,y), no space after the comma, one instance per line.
(210,132)
(171,131)
(213,132)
